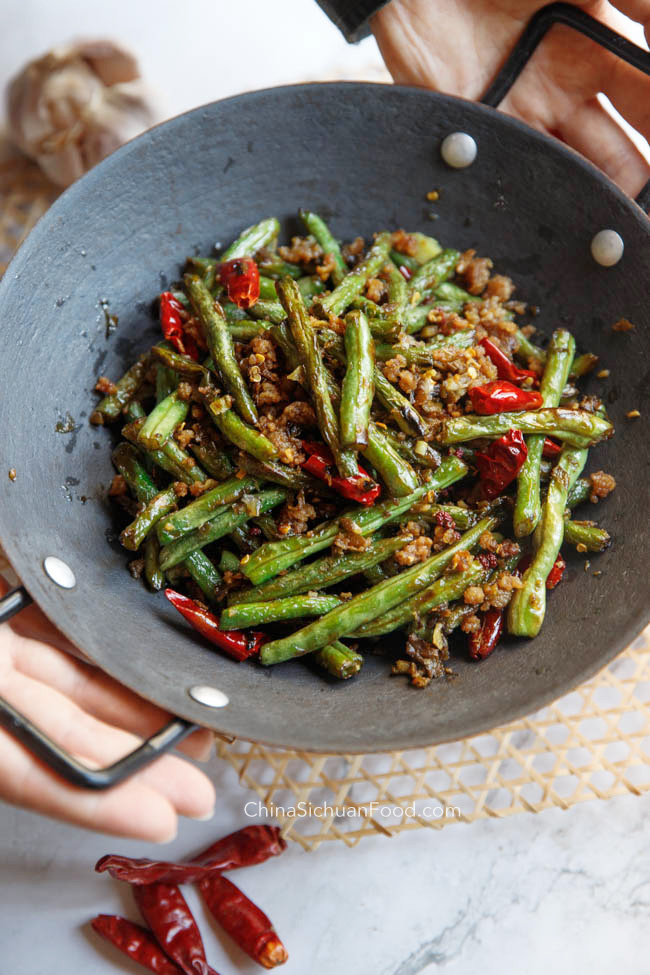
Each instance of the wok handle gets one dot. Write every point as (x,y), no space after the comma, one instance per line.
(576,18)
(61,761)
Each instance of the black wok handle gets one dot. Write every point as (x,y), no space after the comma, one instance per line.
(536,30)
(59,760)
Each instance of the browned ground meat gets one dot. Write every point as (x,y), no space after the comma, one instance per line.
(622,325)
(325,268)
(104,385)
(352,252)
(183,436)
(136,568)
(376,290)
(404,243)
(461,561)
(488,542)
(426,660)
(498,594)
(508,548)
(349,538)
(197,489)
(500,287)
(303,250)
(284,430)
(262,368)
(474,271)
(416,551)
(443,536)
(118,487)
(294,518)
(474,595)
(185,391)
(602,484)
(471,623)
(180,489)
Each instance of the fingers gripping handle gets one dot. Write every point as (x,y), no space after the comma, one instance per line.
(61,761)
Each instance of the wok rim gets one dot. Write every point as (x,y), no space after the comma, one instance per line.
(555,689)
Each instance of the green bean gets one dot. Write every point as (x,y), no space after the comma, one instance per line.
(268,527)
(433,273)
(166,382)
(110,407)
(579,493)
(528,504)
(152,572)
(463,518)
(586,533)
(196,513)
(221,347)
(323,573)
(234,314)
(394,402)
(417,452)
(274,267)
(397,290)
(277,473)
(310,286)
(239,433)
(253,239)
(228,561)
(155,509)
(424,354)
(221,524)
(358,389)
(127,461)
(170,458)
(245,331)
(528,605)
(351,615)
(243,540)
(213,459)
(443,590)
(395,471)
(576,427)
(162,421)
(527,350)
(375,573)
(272,557)
(354,281)
(583,364)
(306,342)
(182,364)
(319,229)
(267,288)
(339,661)
(405,260)
(453,296)
(294,607)
(271,311)
(204,574)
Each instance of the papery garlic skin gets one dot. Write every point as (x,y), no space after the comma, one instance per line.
(75,105)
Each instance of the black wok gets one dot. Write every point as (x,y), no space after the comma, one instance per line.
(364,156)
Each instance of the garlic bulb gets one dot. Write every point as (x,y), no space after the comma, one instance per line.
(75,105)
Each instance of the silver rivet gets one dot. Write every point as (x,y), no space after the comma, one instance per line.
(212,697)
(458,150)
(607,248)
(59,572)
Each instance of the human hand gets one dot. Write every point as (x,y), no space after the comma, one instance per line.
(91,715)
(458,46)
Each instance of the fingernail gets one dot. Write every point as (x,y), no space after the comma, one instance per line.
(206,817)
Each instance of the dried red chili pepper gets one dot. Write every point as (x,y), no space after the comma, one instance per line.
(551,449)
(501,396)
(556,573)
(172,321)
(505,368)
(166,912)
(236,643)
(241,279)
(500,463)
(243,921)
(244,848)
(483,642)
(136,942)
(320,464)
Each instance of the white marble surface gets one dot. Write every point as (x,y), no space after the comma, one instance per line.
(566,892)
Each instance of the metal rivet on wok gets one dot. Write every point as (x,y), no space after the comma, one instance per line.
(59,572)
(211,697)
(458,150)
(607,248)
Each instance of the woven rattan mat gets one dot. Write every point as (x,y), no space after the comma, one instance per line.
(591,744)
